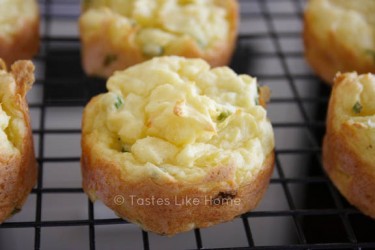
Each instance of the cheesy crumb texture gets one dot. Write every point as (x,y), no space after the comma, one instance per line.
(179,119)
(158,26)
(358,106)
(7,121)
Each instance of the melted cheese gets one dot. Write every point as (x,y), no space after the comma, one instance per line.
(179,119)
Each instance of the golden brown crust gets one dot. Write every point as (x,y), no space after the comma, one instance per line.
(24,44)
(328,53)
(96,49)
(104,180)
(18,173)
(351,171)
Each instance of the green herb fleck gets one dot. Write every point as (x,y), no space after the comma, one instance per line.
(133,23)
(256,100)
(119,102)
(15,211)
(357,108)
(371,53)
(201,44)
(223,115)
(109,59)
(122,146)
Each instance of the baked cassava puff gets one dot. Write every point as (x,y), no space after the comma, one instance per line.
(18,168)
(173,129)
(349,143)
(19,30)
(339,35)
(119,34)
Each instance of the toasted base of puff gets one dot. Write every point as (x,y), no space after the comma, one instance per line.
(18,172)
(18,175)
(172,210)
(350,174)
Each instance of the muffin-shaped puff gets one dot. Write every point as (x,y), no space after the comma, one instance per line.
(175,145)
(18,169)
(119,34)
(349,144)
(19,30)
(339,35)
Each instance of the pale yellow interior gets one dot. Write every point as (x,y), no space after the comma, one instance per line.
(12,124)
(179,119)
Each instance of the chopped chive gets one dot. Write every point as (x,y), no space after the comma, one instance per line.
(109,59)
(223,115)
(357,108)
(15,211)
(119,102)
(201,44)
(133,22)
(256,100)
(123,148)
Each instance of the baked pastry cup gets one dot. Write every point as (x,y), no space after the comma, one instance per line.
(175,145)
(119,34)
(349,144)
(339,36)
(19,30)
(18,168)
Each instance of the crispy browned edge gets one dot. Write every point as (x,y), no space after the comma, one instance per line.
(25,42)
(102,180)
(327,59)
(18,174)
(352,175)
(94,53)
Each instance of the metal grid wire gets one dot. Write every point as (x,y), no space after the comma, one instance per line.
(269,47)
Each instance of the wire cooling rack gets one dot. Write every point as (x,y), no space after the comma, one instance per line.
(301,209)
